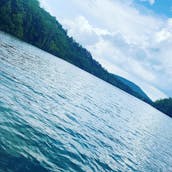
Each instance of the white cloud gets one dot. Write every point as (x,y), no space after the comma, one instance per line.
(125,41)
(150,1)
(165,34)
(85,33)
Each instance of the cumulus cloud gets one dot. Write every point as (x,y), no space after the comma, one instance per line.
(165,34)
(125,41)
(86,34)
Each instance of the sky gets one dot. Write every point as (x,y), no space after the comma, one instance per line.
(130,38)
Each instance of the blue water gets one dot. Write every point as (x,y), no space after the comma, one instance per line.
(56,117)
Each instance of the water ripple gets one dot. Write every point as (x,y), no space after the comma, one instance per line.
(56,117)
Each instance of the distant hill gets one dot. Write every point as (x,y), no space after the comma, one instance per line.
(26,20)
(165,105)
(133,86)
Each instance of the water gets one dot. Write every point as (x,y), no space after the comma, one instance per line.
(56,117)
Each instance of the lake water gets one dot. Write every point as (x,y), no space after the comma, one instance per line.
(56,117)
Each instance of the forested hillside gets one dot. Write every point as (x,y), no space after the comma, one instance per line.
(165,105)
(26,20)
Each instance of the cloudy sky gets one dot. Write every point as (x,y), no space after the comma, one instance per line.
(131,38)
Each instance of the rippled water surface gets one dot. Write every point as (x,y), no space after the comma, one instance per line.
(56,117)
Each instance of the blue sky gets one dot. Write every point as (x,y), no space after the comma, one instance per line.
(160,7)
(131,38)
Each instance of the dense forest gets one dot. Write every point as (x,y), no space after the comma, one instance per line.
(164,105)
(31,23)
